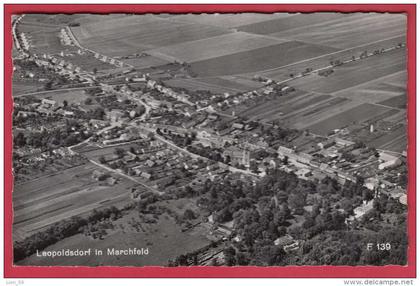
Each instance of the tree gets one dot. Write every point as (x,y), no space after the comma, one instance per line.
(102,160)
(20,139)
(189,214)
(95,70)
(48,85)
(65,103)
(229,254)
(119,152)
(98,113)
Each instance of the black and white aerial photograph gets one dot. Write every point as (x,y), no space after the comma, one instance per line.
(215,139)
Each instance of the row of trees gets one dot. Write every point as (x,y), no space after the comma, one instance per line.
(59,231)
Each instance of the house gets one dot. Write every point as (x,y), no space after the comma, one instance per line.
(238,126)
(111,181)
(150,163)
(146,175)
(287,243)
(303,173)
(115,115)
(343,142)
(68,113)
(389,161)
(49,102)
(284,151)
(326,144)
(164,182)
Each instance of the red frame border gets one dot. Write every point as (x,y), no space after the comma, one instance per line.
(11,271)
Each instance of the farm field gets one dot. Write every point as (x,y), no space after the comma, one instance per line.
(272,112)
(71,96)
(396,101)
(217,46)
(358,114)
(380,90)
(87,62)
(292,22)
(394,141)
(145,62)
(258,59)
(43,39)
(195,84)
(228,20)
(41,202)
(232,82)
(65,19)
(20,87)
(355,73)
(357,29)
(132,34)
(283,72)
(165,240)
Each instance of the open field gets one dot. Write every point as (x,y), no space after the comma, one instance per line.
(222,84)
(355,30)
(258,59)
(165,240)
(217,46)
(145,62)
(43,39)
(292,22)
(133,34)
(232,82)
(20,87)
(394,141)
(283,72)
(65,19)
(194,85)
(269,111)
(71,96)
(355,73)
(396,101)
(228,20)
(41,202)
(358,114)
(389,90)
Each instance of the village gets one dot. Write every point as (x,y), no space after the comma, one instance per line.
(149,140)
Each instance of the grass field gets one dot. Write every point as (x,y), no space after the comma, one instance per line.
(355,73)
(43,39)
(396,101)
(165,240)
(389,90)
(20,87)
(394,141)
(282,73)
(358,114)
(133,34)
(232,82)
(352,31)
(293,22)
(145,62)
(41,202)
(194,85)
(269,112)
(228,20)
(222,45)
(72,96)
(258,59)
